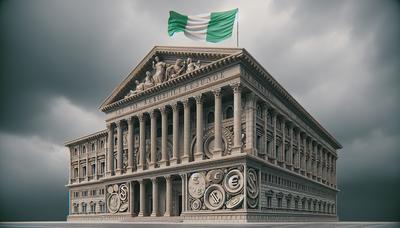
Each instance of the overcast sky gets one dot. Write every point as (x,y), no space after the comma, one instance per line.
(61,59)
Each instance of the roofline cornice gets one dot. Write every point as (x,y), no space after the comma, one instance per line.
(86,138)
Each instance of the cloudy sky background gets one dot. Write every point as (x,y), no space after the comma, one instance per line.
(60,59)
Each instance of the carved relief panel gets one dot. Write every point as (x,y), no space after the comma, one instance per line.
(216,189)
(117,198)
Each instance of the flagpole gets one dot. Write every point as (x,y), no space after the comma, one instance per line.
(237,30)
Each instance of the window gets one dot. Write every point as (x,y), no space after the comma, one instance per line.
(229,112)
(115,141)
(92,207)
(75,172)
(75,152)
(296,204)
(210,117)
(84,171)
(101,144)
(93,169)
(269,201)
(84,209)
(288,202)
(279,202)
(93,147)
(84,149)
(76,208)
(102,167)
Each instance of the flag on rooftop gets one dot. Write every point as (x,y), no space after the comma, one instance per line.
(212,27)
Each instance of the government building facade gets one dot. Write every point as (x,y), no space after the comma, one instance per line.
(198,134)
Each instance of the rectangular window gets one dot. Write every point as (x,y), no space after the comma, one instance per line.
(269,201)
(279,202)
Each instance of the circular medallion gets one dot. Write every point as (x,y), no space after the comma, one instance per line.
(234,202)
(214,197)
(110,189)
(233,181)
(196,205)
(215,176)
(113,203)
(123,192)
(197,185)
(252,184)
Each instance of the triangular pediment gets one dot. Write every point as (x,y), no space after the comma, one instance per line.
(164,63)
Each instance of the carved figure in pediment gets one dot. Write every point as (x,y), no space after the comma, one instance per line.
(176,69)
(160,67)
(197,65)
(148,81)
(139,86)
(190,65)
(131,93)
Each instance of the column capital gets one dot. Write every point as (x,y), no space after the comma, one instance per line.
(185,102)
(129,120)
(217,92)
(163,110)
(199,99)
(109,126)
(175,107)
(167,177)
(118,123)
(236,87)
(153,113)
(153,180)
(141,117)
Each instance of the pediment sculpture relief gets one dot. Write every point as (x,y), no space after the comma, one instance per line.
(164,72)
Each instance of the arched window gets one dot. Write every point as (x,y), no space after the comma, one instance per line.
(101,144)
(84,149)
(93,147)
(229,112)
(210,117)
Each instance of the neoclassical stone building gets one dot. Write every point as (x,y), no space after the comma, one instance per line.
(199,134)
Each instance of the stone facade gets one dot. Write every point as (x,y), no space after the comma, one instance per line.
(203,135)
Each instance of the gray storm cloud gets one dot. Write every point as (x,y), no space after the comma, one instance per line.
(60,59)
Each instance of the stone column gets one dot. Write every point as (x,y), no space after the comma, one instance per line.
(320,163)
(87,162)
(323,164)
(281,155)
(95,160)
(110,152)
(175,134)
(183,181)
(298,161)
(153,138)
(314,168)
(237,118)
(131,198)
(290,156)
(266,132)
(155,196)
(250,123)
(168,195)
(217,124)
(198,155)
(308,165)
(164,137)
(142,142)
(142,199)
(119,147)
(274,152)
(186,131)
(130,144)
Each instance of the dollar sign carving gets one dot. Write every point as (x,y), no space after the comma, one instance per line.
(252,184)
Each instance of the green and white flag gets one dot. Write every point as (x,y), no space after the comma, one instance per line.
(212,27)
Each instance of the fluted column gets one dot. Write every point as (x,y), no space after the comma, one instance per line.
(281,155)
(298,161)
(153,139)
(308,165)
(142,142)
(175,134)
(250,123)
(314,167)
(168,195)
(164,137)
(131,197)
(110,152)
(130,144)
(290,155)
(155,196)
(198,155)
(142,200)
(274,152)
(217,123)
(186,130)
(237,118)
(119,147)
(87,163)
(319,163)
